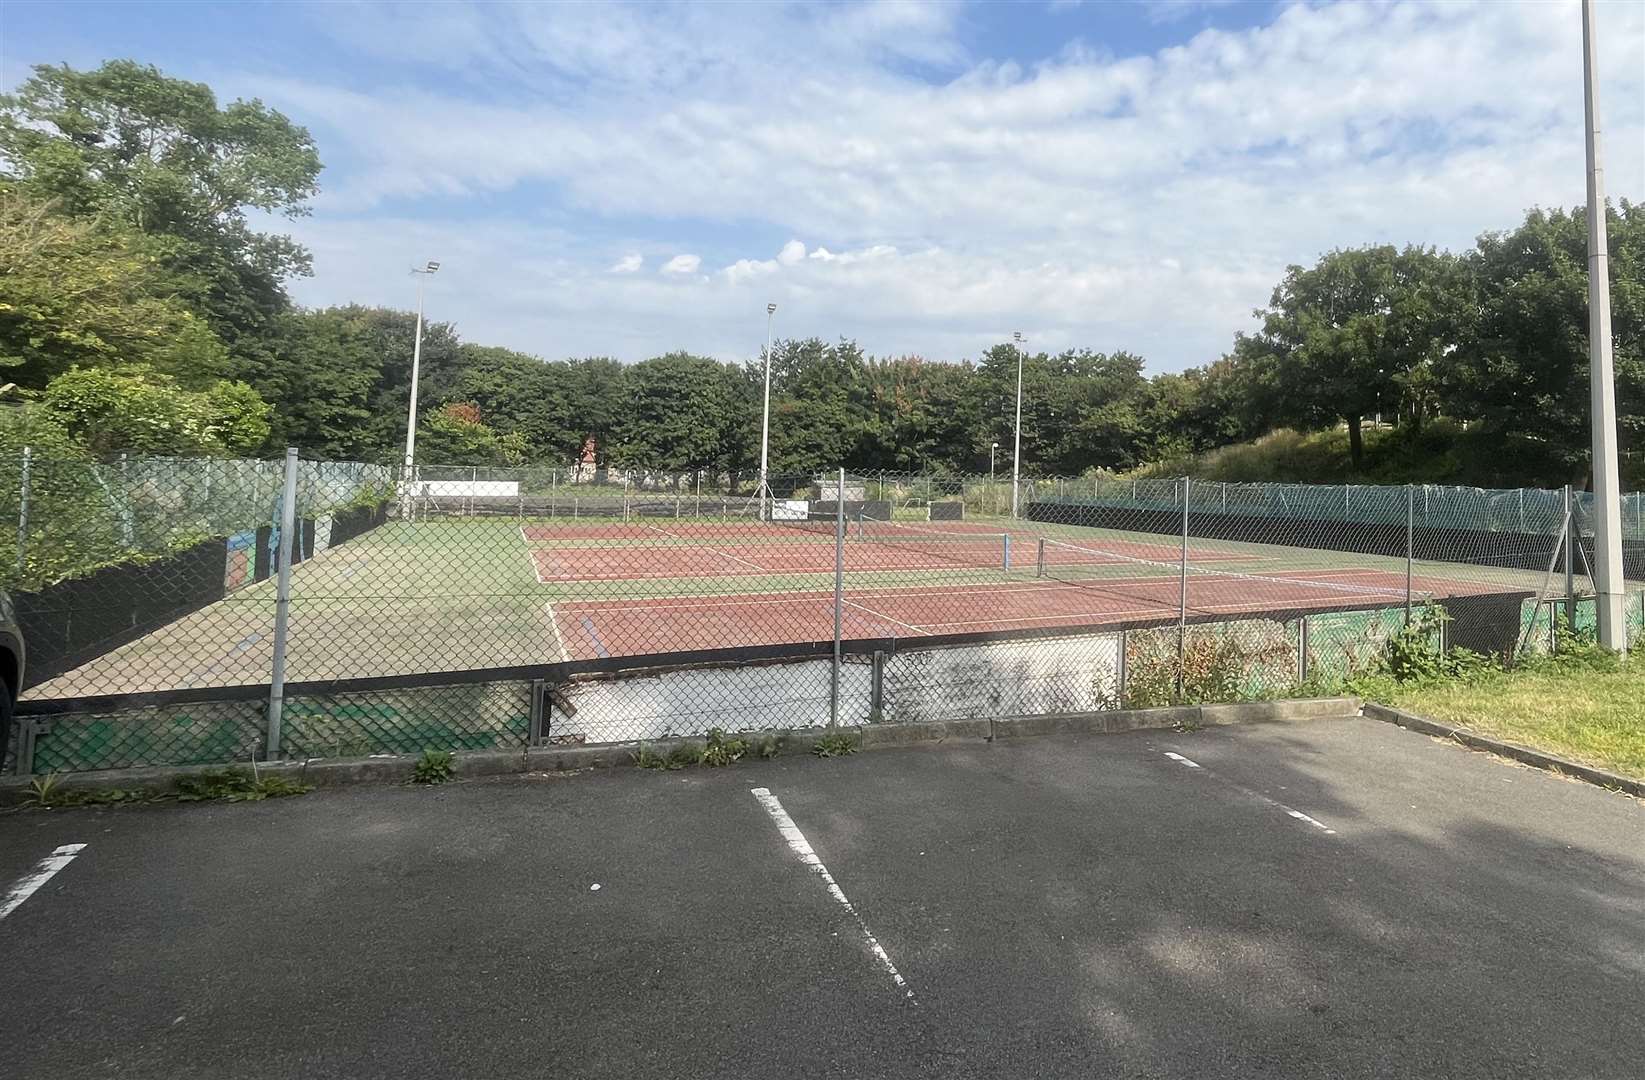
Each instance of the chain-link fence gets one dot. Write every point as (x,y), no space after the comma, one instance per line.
(186,611)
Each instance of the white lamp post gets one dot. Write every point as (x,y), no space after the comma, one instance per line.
(416,370)
(764,493)
(993,449)
(1016,448)
(1608,577)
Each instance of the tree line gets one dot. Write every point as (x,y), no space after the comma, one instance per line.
(140,311)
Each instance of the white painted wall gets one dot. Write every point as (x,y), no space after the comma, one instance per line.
(1009,678)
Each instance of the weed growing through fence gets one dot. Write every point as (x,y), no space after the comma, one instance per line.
(1215,668)
(221,785)
(434,767)
(722,749)
(235,785)
(836,744)
(646,758)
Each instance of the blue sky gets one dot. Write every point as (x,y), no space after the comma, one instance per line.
(926,178)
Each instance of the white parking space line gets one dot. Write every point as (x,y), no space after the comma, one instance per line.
(1289,810)
(801,847)
(28,884)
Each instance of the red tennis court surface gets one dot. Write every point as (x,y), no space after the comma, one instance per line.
(590,629)
(691,560)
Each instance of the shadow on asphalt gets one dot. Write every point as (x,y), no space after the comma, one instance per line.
(1061,907)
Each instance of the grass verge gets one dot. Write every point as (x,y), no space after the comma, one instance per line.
(1593,717)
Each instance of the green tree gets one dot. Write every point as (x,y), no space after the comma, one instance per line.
(341,377)
(135,408)
(1352,335)
(1521,368)
(84,292)
(678,415)
(126,142)
(455,434)
(819,412)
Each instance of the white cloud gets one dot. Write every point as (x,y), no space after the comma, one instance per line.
(1146,202)
(748,269)
(628,264)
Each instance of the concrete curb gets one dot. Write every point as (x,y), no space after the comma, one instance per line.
(337,772)
(1513,751)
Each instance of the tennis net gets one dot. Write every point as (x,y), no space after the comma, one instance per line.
(991,550)
(1209,589)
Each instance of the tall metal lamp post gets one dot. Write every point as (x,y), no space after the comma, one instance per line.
(764,493)
(1609,587)
(423,273)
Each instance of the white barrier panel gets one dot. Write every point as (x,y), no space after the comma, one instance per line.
(790,510)
(468,489)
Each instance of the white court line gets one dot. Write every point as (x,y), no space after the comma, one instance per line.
(1292,811)
(883,618)
(802,848)
(559,638)
(28,884)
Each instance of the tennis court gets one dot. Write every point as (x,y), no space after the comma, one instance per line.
(462,593)
(916,581)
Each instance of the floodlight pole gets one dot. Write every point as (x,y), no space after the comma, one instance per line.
(416,371)
(1609,586)
(992,450)
(764,493)
(1016,447)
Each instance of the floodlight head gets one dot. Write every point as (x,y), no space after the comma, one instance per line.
(771,309)
(432,267)
(1016,335)
(996,446)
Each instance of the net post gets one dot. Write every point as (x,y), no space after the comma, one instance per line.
(1007,551)
(282,607)
(1182,596)
(839,600)
(1039,560)
(1410,529)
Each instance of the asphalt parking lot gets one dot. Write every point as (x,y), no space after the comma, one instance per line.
(1332,899)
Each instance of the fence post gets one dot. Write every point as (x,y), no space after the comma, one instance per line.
(1571,534)
(1410,545)
(553,490)
(876,687)
(538,730)
(282,605)
(1120,672)
(127,530)
(1522,510)
(23,508)
(1302,649)
(839,599)
(1182,596)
